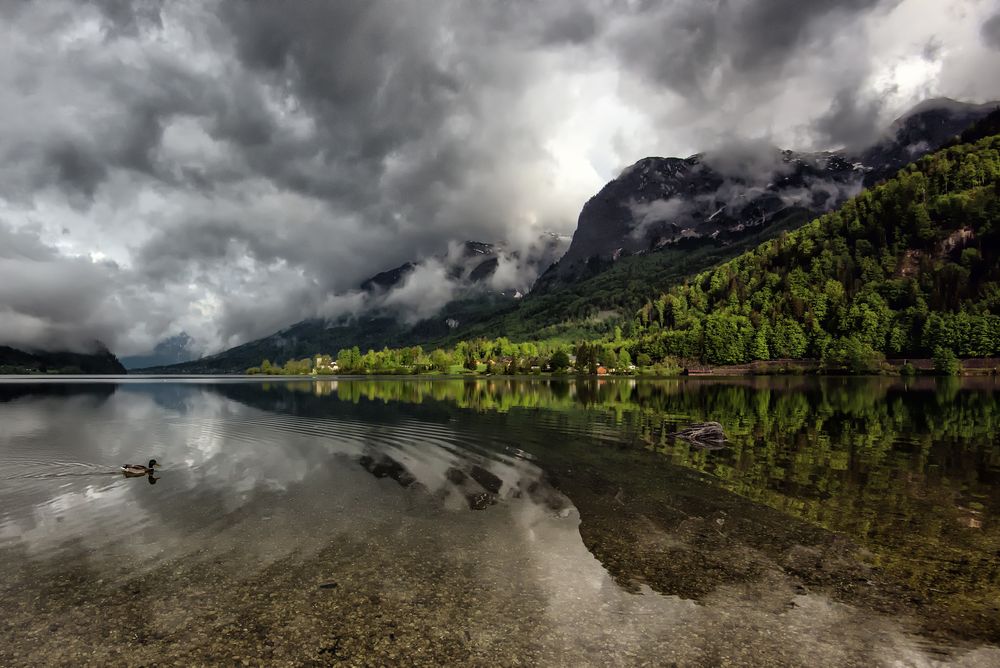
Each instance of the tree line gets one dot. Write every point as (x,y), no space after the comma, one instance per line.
(910,268)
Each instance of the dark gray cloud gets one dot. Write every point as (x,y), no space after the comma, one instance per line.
(130,17)
(772,31)
(227,167)
(696,48)
(574,25)
(932,50)
(853,120)
(67,305)
(991,31)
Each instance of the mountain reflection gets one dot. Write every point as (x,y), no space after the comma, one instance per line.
(554,495)
(910,469)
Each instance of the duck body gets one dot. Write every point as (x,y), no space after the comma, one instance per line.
(138,469)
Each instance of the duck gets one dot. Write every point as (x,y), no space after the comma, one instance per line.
(138,469)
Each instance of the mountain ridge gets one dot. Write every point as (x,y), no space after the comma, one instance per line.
(716,196)
(767,191)
(909,268)
(470,266)
(19,361)
(172,350)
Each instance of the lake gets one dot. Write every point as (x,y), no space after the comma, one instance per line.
(845,522)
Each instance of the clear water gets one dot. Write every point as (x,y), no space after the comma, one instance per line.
(500,522)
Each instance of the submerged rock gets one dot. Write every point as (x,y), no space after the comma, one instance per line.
(387,467)
(456,476)
(481,501)
(487,480)
(706,434)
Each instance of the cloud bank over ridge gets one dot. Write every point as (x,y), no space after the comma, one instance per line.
(226,168)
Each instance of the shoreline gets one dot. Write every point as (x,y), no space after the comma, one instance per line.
(980,368)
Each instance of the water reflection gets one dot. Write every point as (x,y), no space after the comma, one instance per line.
(482,521)
(858,456)
(218,455)
(908,469)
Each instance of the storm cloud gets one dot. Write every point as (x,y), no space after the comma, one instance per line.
(226,168)
(991,31)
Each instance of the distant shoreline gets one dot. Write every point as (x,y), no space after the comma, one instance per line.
(971,367)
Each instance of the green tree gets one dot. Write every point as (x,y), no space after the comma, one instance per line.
(440,361)
(945,362)
(725,339)
(853,355)
(470,361)
(559,361)
(759,349)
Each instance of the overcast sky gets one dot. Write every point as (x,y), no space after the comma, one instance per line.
(228,168)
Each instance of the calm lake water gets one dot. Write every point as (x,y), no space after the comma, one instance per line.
(500,522)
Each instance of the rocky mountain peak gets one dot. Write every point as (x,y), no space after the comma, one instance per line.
(474,263)
(720,196)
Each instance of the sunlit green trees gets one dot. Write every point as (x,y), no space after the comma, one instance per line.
(945,362)
(559,361)
(440,361)
(903,269)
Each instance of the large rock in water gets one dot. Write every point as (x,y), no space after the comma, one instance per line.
(718,197)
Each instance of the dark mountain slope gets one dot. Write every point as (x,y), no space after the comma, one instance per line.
(591,307)
(662,220)
(14,361)
(470,269)
(173,350)
(660,203)
(310,337)
(719,198)
(930,125)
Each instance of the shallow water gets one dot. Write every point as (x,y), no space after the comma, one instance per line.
(500,522)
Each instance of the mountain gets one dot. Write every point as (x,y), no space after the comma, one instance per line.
(927,127)
(482,280)
(473,264)
(389,278)
(910,268)
(602,290)
(721,197)
(15,361)
(173,350)
(661,220)
(659,203)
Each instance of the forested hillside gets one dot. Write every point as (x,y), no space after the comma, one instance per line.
(101,361)
(909,269)
(905,269)
(592,307)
